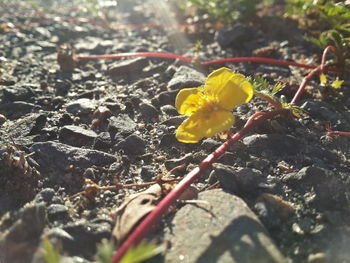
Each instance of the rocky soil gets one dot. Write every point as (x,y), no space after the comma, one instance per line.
(283,192)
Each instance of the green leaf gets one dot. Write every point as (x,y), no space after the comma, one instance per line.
(142,252)
(50,253)
(278,86)
(105,251)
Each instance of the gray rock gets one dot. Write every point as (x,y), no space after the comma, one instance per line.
(309,175)
(76,136)
(148,172)
(169,109)
(148,111)
(225,230)
(23,129)
(210,144)
(103,141)
(61,155)
(175,121)
(62,87)
(321,110)
(45,195)
(186,77)
(15,110)
(22,93)
(130,66)
(86,235)
(57,212)
(234,37)
(42,32)
(166,97)
(19,241)
(132,145)
(273,144)
(122,124)
(81,106)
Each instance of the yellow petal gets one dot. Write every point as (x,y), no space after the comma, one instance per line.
(337,83)
(323,79)
(229,89)
(187,100)
(201,124)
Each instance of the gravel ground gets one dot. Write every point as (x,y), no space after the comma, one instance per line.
(283,193)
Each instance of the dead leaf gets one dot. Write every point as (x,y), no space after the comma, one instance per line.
(133,209)
(137,206)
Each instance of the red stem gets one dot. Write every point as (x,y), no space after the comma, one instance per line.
(138,54)
(155,216)
(302,86)
(259,60)
(207,63)
(332,133)
(324,56)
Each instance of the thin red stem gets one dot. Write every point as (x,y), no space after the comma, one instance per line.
(207,63)
(138,54)
(332,133)
(258,60)
(155,216)
(302,86)
(324,56)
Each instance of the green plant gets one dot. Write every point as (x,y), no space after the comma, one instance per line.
(226,11)
(331,18)
(50,253)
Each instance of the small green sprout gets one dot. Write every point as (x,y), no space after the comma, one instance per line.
(142,252)
(50,253)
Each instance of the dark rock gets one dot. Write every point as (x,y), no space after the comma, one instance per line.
(237,180)
(132,145)
(234,37)
(2,119)
(148,172)
(45,195)
(225,175)
(77,136)
(19,242)
(321,110)
(62,87)
(267,215)
(259,164)
(15,110)
(86,235)
(186,77)
(219,233)
(65,119)
(148,111)
(172,163)
(169,109)
(307,176)
(81,106)
(103,141)
(175,121)
(275,144)
(210,144)
(22,129)
(60,155)
(22,93)
(122,124)
(128,67)
(57,212)
(167,140)
(167,97)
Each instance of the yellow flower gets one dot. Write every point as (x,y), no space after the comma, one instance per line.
(337,83)
(323,79)
(209,107)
